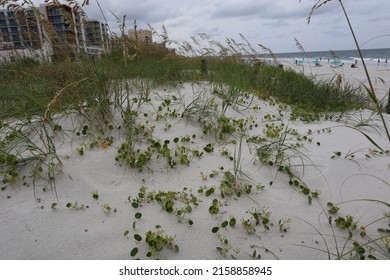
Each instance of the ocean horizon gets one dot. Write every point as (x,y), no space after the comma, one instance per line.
(370,55)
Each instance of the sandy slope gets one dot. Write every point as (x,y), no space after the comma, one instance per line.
(32,230)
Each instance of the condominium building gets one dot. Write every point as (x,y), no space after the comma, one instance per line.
(142,36)
(49,31)
(20,34)
(62,30)
(95,39)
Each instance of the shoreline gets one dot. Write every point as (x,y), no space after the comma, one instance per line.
(380,76)
(345,55)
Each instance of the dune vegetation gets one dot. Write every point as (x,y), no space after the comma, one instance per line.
(159,109)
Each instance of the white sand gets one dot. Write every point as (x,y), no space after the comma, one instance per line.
(32,230)
(380,75)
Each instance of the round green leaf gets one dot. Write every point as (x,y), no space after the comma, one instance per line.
(137,237)
(134,252)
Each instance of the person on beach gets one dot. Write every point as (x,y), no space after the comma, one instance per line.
(379,61)
(354,65)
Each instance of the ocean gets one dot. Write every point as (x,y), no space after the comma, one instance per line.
(346,56)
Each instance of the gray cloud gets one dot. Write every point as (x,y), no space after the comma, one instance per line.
(273,23)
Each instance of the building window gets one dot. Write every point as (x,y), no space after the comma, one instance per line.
(59,27)
(54,12)
(14,30)
(30,13)
(34,28)
(56,19)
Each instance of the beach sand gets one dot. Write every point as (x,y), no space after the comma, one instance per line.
(380,75)
(339,162)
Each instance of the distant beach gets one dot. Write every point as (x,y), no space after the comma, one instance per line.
(324,69)
(347,56)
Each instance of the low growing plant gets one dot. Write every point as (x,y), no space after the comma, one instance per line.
(156,242)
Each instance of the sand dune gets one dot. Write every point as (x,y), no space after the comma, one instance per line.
(273,217)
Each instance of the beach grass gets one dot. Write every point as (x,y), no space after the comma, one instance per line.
(31,86)
(370,90)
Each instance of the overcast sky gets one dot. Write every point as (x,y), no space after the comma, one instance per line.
(272,23)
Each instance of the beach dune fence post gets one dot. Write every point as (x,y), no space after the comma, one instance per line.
(204,66)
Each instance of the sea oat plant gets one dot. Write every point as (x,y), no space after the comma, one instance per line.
(370,89)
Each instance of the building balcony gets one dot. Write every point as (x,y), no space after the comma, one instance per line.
(54,12)
(3,30)
(11,22)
